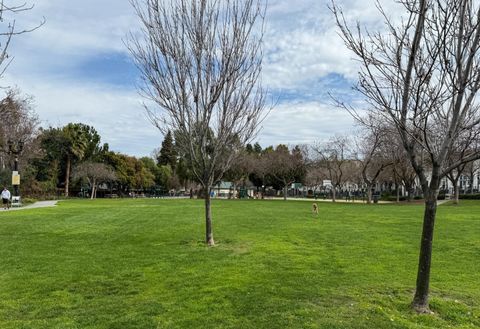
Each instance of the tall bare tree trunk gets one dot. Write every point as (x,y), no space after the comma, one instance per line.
(409,189)
(67,175)
(94,190)
(398,193)
(285,191)
(208,219)
(420,301)
(334,194)
(472,178)
(456,193)
(369,194)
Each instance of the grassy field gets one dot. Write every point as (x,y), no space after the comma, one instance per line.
(142,264)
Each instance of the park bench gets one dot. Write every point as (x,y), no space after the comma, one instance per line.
(16,202)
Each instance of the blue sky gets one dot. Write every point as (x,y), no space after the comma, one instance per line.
(77,68)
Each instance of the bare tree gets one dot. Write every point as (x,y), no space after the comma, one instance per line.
(334,157)
(454,177)
(467,143)
(315,176)
(11,107)
(422,75)
(201,62)
(403,173)
(240,170)
(285,166)
(473,169)
(372,153)
(95,174)
(19,123)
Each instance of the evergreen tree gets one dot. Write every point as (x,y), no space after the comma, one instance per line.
(168,154)
(257,148)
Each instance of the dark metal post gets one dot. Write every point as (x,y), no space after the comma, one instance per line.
(15,149)
(15,168)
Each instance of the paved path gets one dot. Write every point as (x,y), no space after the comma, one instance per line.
(39,204)
(342,200)
(440,202)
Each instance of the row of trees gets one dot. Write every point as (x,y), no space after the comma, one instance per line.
(52,157)
(371,161)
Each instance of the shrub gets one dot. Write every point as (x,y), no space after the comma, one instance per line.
(469,196)
(392,198)
(27,201)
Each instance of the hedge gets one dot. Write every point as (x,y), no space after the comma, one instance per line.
(469,196)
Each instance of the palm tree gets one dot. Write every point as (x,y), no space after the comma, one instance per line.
(76,138)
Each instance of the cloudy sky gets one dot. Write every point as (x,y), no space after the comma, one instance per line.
(77,68)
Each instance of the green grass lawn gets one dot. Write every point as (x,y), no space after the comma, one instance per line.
(143,264)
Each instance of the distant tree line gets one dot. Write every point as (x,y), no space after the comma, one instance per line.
(64,161)
(72,161)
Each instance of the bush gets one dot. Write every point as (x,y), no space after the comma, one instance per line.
(392,198)
(27,201)
(469,196)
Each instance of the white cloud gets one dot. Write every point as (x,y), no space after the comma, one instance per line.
(73,31)
(116,113)
(301,47)
(296,122)
(302,42)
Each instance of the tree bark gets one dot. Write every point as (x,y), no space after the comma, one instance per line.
(398,193)
(456,193)
(472,178)
(285,191)
(67,175)
(409,188)
(93,190)
(334,195)
(208,219)
(369,194)
(420,301)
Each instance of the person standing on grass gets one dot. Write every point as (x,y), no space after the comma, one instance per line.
(6,198)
